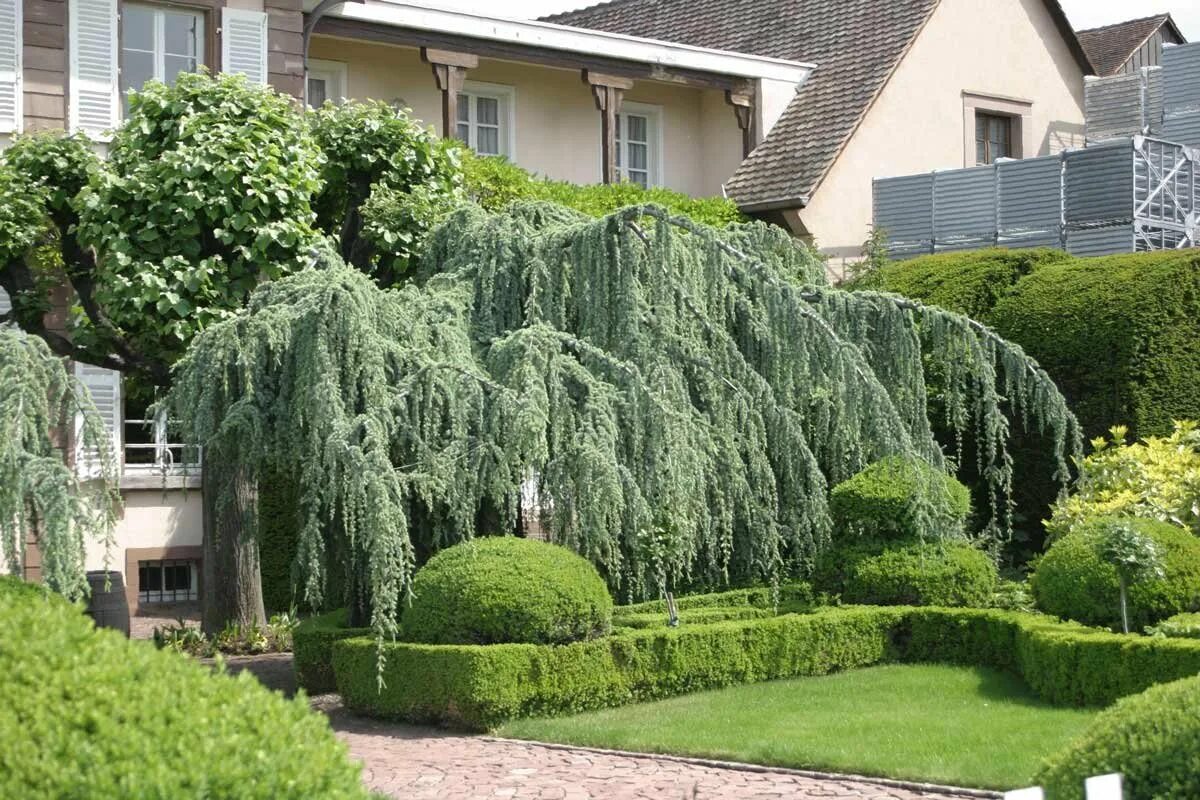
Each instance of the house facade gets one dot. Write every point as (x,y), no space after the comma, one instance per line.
(899,87)
(583,106)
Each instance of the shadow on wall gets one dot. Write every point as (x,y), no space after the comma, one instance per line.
(1062,135)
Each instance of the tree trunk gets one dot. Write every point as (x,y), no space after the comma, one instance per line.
(232,585)
(1124,606)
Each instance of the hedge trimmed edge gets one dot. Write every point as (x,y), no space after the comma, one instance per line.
(312,649)
(479,687)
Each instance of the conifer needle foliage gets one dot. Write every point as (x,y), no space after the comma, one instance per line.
(679,398)
(39,492)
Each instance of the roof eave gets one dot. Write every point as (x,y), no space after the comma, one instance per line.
(778,204)
(575,40)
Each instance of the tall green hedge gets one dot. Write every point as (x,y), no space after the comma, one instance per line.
(86,713)
(1120,335)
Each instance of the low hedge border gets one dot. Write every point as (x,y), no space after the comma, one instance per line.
(479,687)
(693,616)
(312,649)
(792,596)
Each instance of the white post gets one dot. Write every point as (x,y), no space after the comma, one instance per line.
(1104,787)
(1034,793)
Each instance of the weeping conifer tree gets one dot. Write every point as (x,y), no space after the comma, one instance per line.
(41,497)
(679,399)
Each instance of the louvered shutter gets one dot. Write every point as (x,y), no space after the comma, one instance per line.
(244,43)
(5,303)
(94,100)
(10,65)
(105,387)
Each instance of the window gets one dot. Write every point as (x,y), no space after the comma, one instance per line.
(150,444)
(993,138)
(167,581)
(326,81)
(637,144)
(158,44)
(485,118)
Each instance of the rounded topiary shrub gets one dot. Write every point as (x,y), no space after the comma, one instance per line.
(504,589)
(86,713)
(1152,738)
(882,501)
(1072,581)
(950,574)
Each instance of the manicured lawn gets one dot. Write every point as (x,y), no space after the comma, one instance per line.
(956,725)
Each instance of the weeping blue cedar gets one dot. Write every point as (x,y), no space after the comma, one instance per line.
(39,492)
(682,398)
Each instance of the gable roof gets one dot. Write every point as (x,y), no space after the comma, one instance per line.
(1109,47)
(856,44)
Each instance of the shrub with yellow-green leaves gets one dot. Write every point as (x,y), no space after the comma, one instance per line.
(1157,478)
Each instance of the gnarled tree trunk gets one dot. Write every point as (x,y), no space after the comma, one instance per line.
(232,587)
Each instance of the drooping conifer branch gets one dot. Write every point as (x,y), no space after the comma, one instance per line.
(40,495)
(679,398)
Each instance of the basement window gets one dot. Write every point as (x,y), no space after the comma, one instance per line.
(171,581)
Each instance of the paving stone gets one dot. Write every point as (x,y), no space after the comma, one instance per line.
(404,761)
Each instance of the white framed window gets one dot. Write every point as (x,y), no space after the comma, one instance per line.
(639,144)
(158,43)
(326,80)
(168,581)
(487,118)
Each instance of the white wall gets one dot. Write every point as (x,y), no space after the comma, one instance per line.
(152,518)
(557,124)
(1010,50)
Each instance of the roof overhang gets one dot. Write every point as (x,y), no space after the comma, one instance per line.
(568,40)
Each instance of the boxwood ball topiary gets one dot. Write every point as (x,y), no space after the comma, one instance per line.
(504,589)
(1152,739)
(881,501)
(1072,581)
(86,713)
(951,574)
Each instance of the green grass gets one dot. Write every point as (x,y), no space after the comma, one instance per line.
(955,725)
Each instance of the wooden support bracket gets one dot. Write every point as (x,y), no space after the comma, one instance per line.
(450,71)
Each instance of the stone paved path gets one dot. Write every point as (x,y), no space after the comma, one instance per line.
(403,761)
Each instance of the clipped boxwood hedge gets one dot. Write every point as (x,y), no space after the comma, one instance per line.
(697,616)
(501,590)
(1180,626)
(1152,739)
(1072,581)
(480,687)
(312,649)
(87,713)
(950,574)
(793,596)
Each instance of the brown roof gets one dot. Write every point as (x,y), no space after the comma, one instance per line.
(1108,48)
(856,44)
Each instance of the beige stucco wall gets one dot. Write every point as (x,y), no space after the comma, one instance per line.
(152,518)
(557,126)
(982,47)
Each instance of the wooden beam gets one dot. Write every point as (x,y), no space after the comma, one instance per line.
(743,110)
(450,71)
(608,91)
(529,54)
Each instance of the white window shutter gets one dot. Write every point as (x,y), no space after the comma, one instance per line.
(10,66)
(244,43)
(105,387)
(95,104)
(5,303)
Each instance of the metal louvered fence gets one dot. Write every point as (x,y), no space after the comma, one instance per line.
(1118,196)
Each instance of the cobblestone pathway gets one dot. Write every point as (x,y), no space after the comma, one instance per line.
(408,762)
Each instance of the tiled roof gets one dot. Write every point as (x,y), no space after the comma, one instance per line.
(856,45)
(1108,48)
